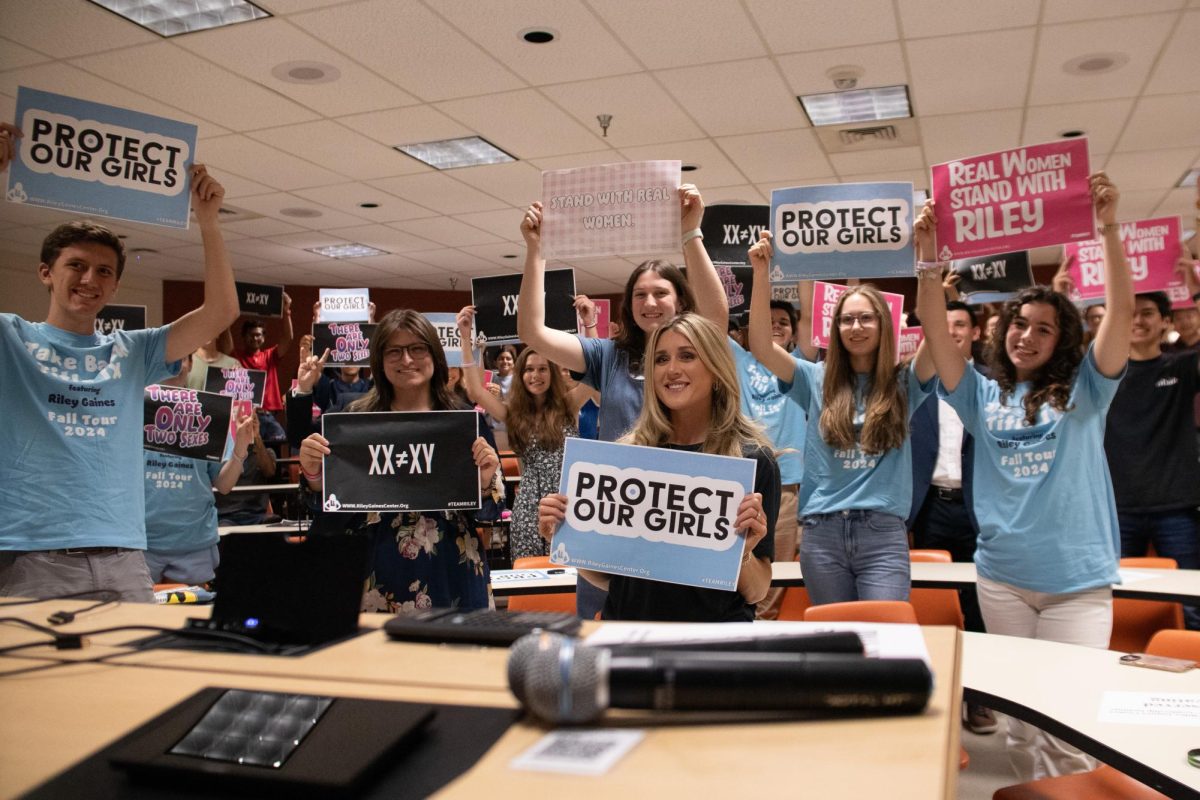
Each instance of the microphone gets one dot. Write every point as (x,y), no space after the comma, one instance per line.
(820,642)
(561,680)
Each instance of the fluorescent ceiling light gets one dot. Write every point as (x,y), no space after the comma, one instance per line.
(470,151)
(347,251)
(1188,179)
(173,17)
(856,105)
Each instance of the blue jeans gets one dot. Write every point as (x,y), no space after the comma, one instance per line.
(855,555)
(1175,534)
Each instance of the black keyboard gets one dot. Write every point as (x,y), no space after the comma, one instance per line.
(480,626)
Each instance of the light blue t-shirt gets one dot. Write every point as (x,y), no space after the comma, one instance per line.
(71,440)
(849,479)
(783,420)
(181,511)
(1043,496)
(621,392)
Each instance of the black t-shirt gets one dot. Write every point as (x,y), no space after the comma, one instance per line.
(1149,440)
(645,600)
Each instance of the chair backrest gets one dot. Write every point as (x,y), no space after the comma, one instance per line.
(549,601)
(863,611)
(1175,644)
(935,606)
(1135,621)
(795,603)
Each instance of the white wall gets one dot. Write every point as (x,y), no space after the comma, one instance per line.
(22,293)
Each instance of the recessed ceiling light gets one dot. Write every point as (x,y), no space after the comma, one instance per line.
(538,35)
(368,205)
(1095,63)
(689,168)
(305,213)
(306,72)
(171,18)
(1188,179)
(856,105)
(470,151)
(1074,133)
(347,251)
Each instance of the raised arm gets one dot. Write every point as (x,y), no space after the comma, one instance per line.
(220,307)
(557,346)
(937,353)
(771,355)
(1111,348)
(285,338)
(231,470)
(804,321)
(9,134)
(472,370)
(711,301)
(585,308)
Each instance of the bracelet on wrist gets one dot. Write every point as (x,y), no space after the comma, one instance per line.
(468,364)
(1109,227)
(242,457)
(312,476)
(929,269)
(694,233)
(592,326)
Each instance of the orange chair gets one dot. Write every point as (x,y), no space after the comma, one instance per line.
(1135,621)
(1175,644)
(795,603)
(551,601)
(1106,783)
(863,611)
(935,606)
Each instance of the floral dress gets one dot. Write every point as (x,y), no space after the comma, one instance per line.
(423,560)
(540,472)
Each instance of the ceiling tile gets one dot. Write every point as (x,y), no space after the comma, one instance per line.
(524,124)
(1083,10)
(791,26)
(1140,38)
(65,28)
(881,65)
(665,34)
(228,100)
(781,156)
(741,194)
(402,41)
(348,197)
(504,223)
(497,254)
(337,148)
(590,159)
(720,98)
(960,135)
(272,204)
(262,163)
(13,55)
(262,226)
(1101,121)
(1162,122)
(582,49)
(456,261)
(715,169)
(445,231)
(1181,202)
(920,18)
(517,182)
(439,192)
(642,111)
(1178,67)
(384,237)
(254,50)
(976,72)
(409,125)
(872,161)
(1157,169)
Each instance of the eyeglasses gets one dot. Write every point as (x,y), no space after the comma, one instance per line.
(416,352)
(867,319)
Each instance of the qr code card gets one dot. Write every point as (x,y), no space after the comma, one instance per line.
(578,752)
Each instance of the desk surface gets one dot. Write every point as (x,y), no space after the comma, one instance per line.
(1176,585)
(1059,687)
(56,717)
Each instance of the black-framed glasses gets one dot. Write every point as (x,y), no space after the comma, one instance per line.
(416,351)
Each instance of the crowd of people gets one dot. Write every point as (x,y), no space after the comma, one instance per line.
(1039,441)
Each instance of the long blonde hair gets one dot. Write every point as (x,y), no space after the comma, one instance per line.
(730,430)
(885,420)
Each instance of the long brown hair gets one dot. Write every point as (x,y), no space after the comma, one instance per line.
(630,337)
(1052,384)
(528,421)
(730,429)
(885,419)
(382,394)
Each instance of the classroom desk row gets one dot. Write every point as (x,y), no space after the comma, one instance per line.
(1173,585)
(56,717)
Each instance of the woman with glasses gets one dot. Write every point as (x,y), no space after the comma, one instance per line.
(539,415)
(857,484)
(1049,538)
(655,293)
(691,403)
(419,559)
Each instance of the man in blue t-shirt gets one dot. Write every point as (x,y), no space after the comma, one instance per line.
(71,443)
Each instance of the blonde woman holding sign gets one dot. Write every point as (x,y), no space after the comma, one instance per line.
(1048,532)
(691,403)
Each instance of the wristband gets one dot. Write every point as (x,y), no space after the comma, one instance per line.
(694,233)
(467,364)
(1110,227)
(297,392)
(929,269)
(592,326)
(312,476)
